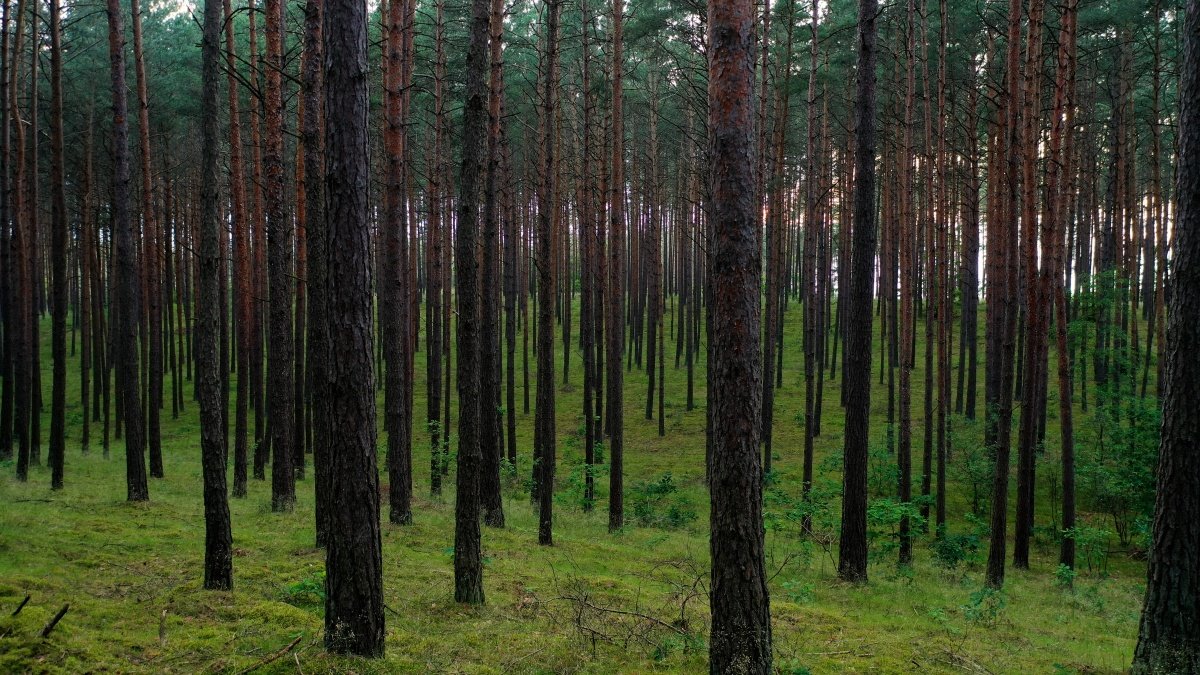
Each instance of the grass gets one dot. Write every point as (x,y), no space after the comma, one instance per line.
(131,572)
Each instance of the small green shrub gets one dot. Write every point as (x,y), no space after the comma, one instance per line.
(658,504)
(985,606)
(308,592)
(799,592)
(1064,576)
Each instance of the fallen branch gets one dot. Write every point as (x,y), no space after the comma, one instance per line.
(610,610)
(21,606)
(274,657)
(54,622)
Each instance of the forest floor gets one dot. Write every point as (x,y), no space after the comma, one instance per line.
(595,602)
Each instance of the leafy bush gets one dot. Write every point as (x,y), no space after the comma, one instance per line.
(308,592)
(573,493)
(971,463)
(985,606)
(883,523)
(1064,577)
(953,549)
(1092,545)
(882,474)
(658,504)
(799,592)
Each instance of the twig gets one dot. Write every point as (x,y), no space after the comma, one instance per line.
(21,606)
(272,657)
(611,610)
(54,622)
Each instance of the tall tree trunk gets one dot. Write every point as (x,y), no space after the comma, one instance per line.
(1035,308)
(281,389)
(125,258)
(317,343)
(908,227)
(345,397)
(242,291)
(23,344)
(616,285)
(544,432)
(1002,299)
(153,292)
(740,639)
(492,438)
(393,292)
(58,246)
(9,299)
(1169,635)
(852,547)
(436,341)
(1054,224)
(218,540)
(468,560)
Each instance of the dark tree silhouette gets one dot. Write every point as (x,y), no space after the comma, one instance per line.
(1169,636)
(218,540)
(354,556)
(544,441)
(58,254)
(125,350)
(468,558)
(740,640)
(852,547)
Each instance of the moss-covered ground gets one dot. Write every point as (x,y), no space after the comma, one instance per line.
(634,601)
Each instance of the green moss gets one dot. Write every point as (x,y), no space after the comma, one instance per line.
(121,565)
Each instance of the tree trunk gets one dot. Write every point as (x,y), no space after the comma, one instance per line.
(740,639)
(1169,635)
(153,292)
(544,432)
(125,258)
(491,446)
(281,389)
(468,558)
(393,284)
(58,252)
(616,286)
(852,548)
(346,394)
(218,540)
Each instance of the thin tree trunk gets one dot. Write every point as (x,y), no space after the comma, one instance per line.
(852,548)
(468,559)
(124,256)
(218,539)
(616,285)
(280,369)
(58,245)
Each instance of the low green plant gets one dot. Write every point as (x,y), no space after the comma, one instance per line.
(952,549)
(1064,576)
(658,503)
(883,523)
(799,592)
(308,592)
(985,606)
